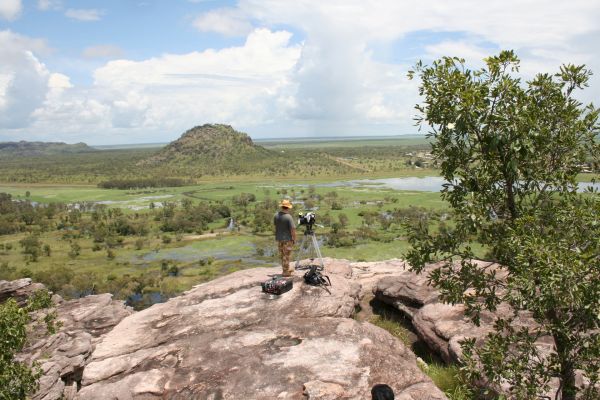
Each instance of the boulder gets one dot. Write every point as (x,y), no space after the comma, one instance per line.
(19,289)
(63,355)
(405,290)
(442,327)
(370,273)
(225,339)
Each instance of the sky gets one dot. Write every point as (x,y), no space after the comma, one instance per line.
(144,71)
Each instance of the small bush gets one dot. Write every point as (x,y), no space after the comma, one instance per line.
(139,244)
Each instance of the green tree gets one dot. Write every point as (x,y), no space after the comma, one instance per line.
(75,250)
(139,243)
(186,204)
(510,152)
(343,219)
(17,379)
(110,254)
(32,247)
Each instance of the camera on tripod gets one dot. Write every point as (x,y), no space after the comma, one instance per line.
(313,276)
(307,219)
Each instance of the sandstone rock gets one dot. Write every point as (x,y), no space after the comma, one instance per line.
(64,355)
(20,290)
(442,327)
(370,273)
(406,291)
(226,340)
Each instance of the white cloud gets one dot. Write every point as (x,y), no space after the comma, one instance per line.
(85,15)
(335,81)
(10,9)
(167,94)
(338,77)
(459,48)
(46,5)
(178,91)
(226,21)
(23,80)
(102,51)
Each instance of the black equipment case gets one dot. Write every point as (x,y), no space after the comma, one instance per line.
(277,285)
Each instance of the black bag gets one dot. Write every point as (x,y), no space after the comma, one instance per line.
(315,278)
(277,285)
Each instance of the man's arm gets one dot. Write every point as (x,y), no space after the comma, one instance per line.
(292,229)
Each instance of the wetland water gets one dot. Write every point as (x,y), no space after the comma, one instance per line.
(425,184)
(231,248)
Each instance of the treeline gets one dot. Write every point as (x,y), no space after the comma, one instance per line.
(120,169)
(17,216)
(142,183)
(190,217)
(75,168)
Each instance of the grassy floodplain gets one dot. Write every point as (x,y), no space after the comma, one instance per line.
(166,239)
(166,257)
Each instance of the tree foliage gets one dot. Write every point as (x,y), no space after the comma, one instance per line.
(510,152)
(17,379)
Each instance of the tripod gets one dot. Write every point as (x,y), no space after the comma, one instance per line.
(313,247)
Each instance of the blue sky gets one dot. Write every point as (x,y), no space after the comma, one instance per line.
(127,71)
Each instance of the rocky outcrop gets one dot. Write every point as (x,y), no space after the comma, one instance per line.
(63,355)
(20,290)
(441,326)
(406,291)
(226,340)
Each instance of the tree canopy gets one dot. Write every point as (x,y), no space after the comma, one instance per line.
(18,379)
(510,152)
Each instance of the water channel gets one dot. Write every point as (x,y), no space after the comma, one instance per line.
(424,184)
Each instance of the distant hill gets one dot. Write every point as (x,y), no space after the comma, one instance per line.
(29,149)
(209,149)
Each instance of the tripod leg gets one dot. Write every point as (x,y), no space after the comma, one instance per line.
(315,244)
(300,250)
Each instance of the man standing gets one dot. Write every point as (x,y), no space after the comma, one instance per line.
(285,234)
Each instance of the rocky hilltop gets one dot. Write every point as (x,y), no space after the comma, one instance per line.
(225,339)
(30,149)
(211,145)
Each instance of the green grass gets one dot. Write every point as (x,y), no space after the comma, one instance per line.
(127,261)
(393,327)
(44,193)
(448,379)
(445,377)
(227,251)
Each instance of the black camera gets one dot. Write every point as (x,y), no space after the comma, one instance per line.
(307,219)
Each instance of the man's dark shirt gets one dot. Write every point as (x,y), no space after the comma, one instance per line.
(284,224)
